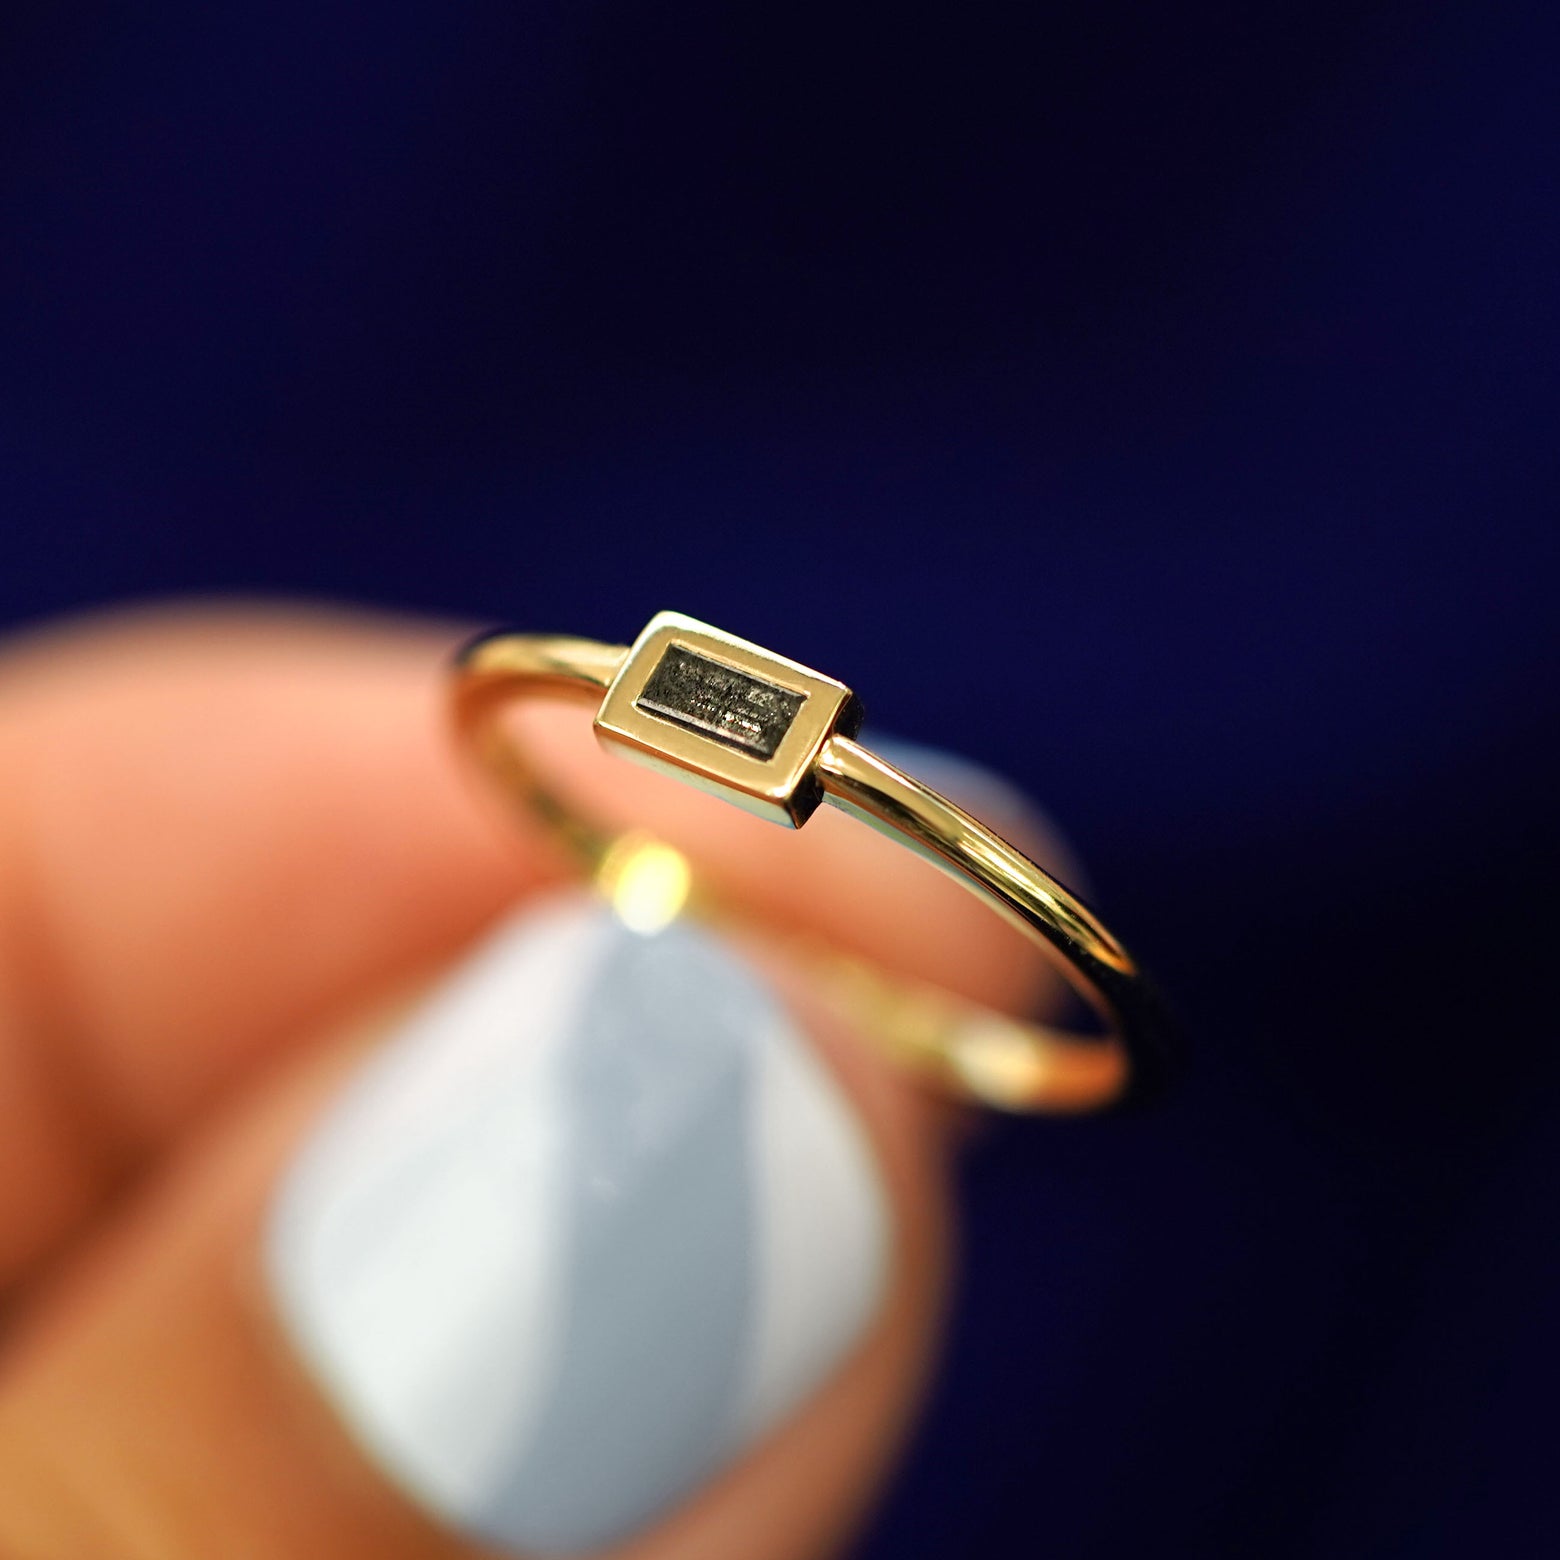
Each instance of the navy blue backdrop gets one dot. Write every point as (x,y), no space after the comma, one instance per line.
(1222,342)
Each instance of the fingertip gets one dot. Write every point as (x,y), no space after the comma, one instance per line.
(602,1248)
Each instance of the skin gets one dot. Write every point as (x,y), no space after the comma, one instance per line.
(232,846)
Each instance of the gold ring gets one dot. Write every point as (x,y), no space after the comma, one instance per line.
(778,739)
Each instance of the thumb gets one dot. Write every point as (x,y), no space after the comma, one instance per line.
(611,1242)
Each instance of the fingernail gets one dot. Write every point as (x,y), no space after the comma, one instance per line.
(593,1221)
(995,800)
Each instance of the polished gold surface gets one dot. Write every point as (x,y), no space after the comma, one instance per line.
(777,739)
(781,786)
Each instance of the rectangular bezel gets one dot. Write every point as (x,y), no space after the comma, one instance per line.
(720,727)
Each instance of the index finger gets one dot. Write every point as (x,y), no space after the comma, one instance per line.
(216,829)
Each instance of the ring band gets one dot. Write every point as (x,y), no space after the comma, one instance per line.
(778,739)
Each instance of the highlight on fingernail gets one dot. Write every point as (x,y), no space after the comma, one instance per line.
(592,1222)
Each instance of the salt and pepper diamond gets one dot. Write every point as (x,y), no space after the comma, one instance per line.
(726,715)
(731,706)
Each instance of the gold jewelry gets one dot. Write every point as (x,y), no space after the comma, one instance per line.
(779,739)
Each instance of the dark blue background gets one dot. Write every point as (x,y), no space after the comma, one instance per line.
(1194,365)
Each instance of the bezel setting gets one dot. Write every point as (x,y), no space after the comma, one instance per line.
(729,749)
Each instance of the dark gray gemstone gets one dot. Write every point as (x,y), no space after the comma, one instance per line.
(707,696)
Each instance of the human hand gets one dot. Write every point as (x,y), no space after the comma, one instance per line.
(323,1235)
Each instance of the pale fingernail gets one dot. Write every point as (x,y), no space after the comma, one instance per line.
(591,1223)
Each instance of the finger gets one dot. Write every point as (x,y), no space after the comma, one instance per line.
(215,830)
(615,1243)
(218,829)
